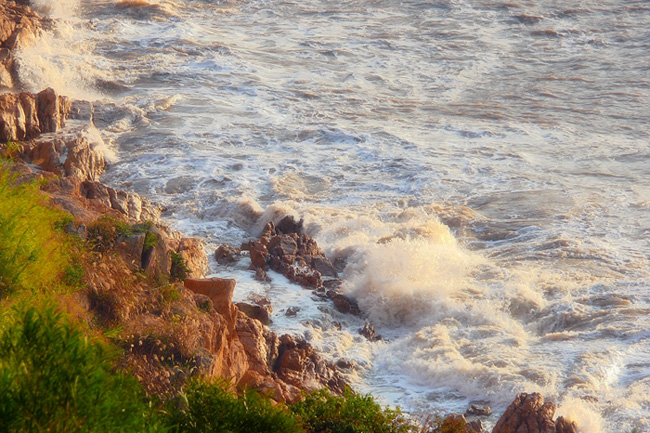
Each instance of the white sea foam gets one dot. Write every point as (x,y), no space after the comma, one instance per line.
(478,175)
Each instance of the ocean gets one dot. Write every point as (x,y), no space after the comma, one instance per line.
(479,171)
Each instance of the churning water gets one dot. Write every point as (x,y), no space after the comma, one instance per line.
(482,169)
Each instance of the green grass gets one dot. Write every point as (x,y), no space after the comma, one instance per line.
(34,250)
(103,233)
(179,270)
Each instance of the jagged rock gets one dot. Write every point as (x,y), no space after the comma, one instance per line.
(256,312)
(19,27)
(127,203)
(82,110)
(226,254)
(72,157)
(130,248)
(344,303)
(292,311)
(299,365)
(344,364)
(529,414)
(475,426)
(192,252)
(478,410)
(368,331)
(220,290)
(288,225)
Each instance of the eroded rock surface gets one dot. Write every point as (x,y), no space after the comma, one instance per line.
(19,27)
(27,115)
(530,414)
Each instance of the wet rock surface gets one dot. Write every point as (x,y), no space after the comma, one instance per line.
(19,27)
(298,257)
(530,414)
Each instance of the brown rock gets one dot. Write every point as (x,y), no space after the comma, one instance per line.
(52,110)
(368,331)
(288,225)
(529,414)
(226,254)
(299,365)
(292,311)
(478,410)
(259,254)
(192,252)
(256,312)
(344,303)
(220,290)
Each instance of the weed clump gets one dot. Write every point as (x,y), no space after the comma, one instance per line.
(103,233)
(34,252)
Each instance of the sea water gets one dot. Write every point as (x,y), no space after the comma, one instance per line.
(480,170)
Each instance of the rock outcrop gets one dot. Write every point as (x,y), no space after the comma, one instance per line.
(19,27)
(27,115)
(256,357)
(285,249)
(530,414)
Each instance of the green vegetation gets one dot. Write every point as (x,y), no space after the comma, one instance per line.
(179,270)
(34,251)
(212,408)
(53,379)
(104,232)
(350,413)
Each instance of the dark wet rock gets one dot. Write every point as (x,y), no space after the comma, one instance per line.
(530,414)
(288,225)
(344,303)
(344,364)
(292,311)
(368,331)
(226,254)
(478,410)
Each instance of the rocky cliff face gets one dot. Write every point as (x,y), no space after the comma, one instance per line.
(19,26)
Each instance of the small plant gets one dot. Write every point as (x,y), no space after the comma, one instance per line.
(169,293)
(211,407)
(73,275)
(103,233)
(12,149)
(179,270)
(150,241)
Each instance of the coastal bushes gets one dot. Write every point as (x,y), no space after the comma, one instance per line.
(349,413)
(53,378)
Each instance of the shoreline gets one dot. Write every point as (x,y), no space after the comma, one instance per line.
(79,191)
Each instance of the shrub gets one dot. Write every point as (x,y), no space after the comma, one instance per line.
(212,408)
(34,252)
(103,233)
(179,270)
(322,412)
(52,378)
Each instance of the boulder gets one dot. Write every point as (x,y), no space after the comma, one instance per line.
(220,290)
(226,254)
(299,365)
(256,312)
(530,414)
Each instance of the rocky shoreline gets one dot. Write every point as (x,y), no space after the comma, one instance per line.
(148,280)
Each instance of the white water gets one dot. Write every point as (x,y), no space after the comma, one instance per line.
(481,168)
